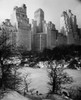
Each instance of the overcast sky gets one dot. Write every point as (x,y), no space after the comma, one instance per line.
(52,9)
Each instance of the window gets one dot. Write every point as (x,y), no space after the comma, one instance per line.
(23,16)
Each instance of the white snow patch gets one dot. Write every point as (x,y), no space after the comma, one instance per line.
(14,96)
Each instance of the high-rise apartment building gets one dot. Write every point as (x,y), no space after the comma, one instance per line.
(39,18)
(51,35)
(68,22)
(40,41)
(43,34)
(68,27)
(20,20)
(39,37)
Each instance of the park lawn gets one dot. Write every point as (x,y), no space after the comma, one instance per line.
(39,77)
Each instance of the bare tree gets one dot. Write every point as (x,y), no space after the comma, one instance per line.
(16,80)
(57,77)
(27,82)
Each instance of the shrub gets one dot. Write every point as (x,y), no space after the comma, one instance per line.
(75,92)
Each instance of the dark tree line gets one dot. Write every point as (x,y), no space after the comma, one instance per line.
(62,52)
(7,78)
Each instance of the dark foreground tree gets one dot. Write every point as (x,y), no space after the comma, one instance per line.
(6,51)
(11,77)
(57,77)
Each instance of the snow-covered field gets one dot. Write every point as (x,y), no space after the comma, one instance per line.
(39,78)
(76,74)
(14,96)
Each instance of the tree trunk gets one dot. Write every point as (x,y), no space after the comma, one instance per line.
(53,88)
(2,76)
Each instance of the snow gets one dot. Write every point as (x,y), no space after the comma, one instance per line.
(76,74)
(39,78)
(14,96)
(42,64)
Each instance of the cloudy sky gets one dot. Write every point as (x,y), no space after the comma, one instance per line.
(52,9)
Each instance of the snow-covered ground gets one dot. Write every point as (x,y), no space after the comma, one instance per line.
(40,78)
(14,96)
(76,74)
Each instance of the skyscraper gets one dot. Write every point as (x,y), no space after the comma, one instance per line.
(68,27)
(51,35)
(68,22)
(39,17)
(20,20)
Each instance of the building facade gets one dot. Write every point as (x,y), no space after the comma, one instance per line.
(39,18)
(20,20)
(51,35)
(9,31)
(68,27)
(39,42)
(43,34)
(39,36)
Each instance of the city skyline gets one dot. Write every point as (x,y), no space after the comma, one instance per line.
(52,9)
(41,34)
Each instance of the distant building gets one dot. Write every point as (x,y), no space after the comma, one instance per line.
(9,31)
(68,27)
(61,39)
(40,41)
(39,18)
(20,20)
(51,35)
(68,22)
(79,35)
(39,37)
(43,34)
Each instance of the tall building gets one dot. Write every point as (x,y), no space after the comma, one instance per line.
(39,18)
(40,41)
(61,39)
(20,20)
(9,31)
(68,22)
(51,35)
(68,27)
(43,34)
(39,37)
